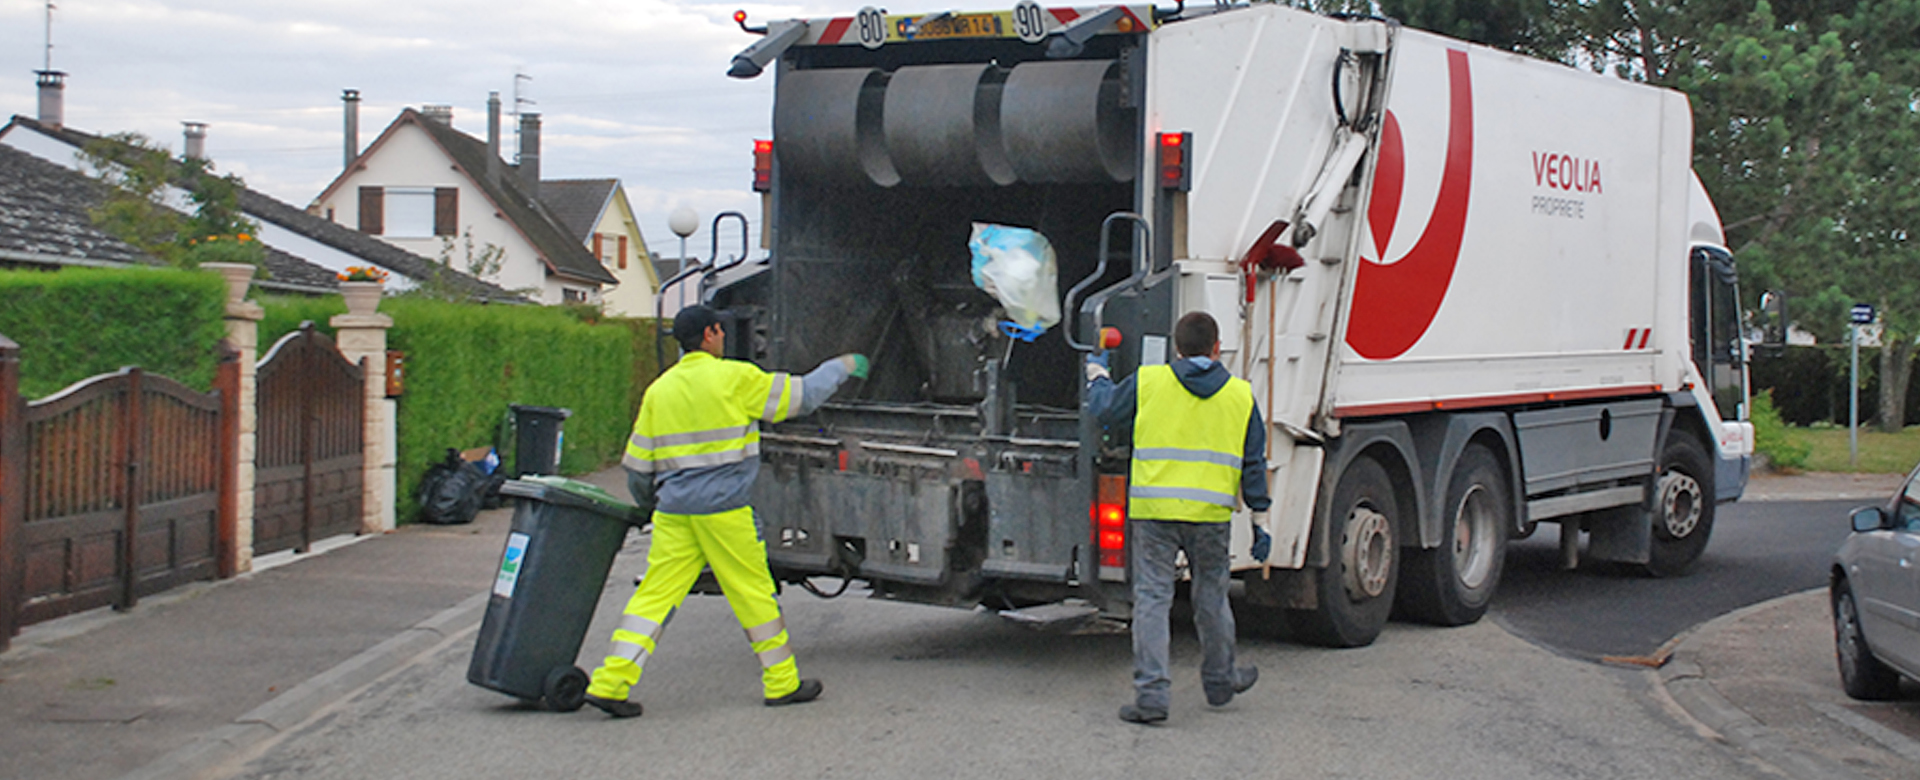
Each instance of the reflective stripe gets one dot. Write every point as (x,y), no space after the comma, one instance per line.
(794,389)
(708,459)
(1189,494)
(636,464)
(767,630)
(631,651)
(642,626)
(1189,456)
(770,657)
(694,437)
(774,393)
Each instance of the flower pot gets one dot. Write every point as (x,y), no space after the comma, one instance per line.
(238,275)
(362,297)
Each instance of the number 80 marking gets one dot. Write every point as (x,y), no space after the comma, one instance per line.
(872,27)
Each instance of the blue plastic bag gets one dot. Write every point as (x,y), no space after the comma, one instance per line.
(1017,267)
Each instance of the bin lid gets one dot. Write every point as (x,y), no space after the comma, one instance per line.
(574,493)
(549,411)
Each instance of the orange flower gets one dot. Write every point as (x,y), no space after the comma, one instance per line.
(245,237)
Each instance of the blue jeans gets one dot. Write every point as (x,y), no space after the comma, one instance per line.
(1155,545)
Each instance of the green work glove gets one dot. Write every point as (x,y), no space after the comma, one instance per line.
(857,365)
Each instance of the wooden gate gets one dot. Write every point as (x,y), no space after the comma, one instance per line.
(125,476)
(308,473)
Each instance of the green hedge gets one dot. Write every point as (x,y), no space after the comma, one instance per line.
(467,362)
(77,322)
(285,313)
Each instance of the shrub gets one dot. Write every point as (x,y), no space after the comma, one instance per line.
(77,322)
(1785,449)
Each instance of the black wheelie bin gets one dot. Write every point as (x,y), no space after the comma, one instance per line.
(564,536)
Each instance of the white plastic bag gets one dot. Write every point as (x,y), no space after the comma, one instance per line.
(1016,266)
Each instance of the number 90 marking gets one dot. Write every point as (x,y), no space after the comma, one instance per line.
(872,27)
(1029,21)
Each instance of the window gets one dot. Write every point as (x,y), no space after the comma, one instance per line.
(410,212)
(571,295)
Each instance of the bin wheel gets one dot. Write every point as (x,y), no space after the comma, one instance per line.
(565,689)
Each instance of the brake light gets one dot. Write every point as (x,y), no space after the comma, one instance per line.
(1176,160)
(1110,526)
(762,166)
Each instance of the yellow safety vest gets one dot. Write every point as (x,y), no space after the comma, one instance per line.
(703,412)
(1187,450)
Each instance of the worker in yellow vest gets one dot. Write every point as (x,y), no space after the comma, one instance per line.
(1198,445)
(691,461)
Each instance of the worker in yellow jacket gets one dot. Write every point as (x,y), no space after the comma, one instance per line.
(1199,445)
(692,460)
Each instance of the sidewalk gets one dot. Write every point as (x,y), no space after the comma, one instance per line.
(192,676)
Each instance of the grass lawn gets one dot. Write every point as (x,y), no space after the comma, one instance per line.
(1880,453)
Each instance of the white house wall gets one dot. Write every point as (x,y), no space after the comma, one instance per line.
(410,158)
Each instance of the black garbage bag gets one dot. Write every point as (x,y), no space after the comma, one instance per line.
(452,491)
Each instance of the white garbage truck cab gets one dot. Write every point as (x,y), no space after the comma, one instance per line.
(1473,292)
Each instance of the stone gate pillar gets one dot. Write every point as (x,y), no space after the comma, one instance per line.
(362,339)
(243,336)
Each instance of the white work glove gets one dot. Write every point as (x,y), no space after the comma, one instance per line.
(1097,367)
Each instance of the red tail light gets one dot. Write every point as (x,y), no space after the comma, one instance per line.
(1110,525)
(762,166)
(1176,161)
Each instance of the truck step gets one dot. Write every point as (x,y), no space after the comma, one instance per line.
(1072,616)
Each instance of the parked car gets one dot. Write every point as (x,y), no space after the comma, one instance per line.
(1875,593)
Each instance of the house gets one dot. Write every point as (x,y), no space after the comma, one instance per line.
(434,191)
(289,234)
(596,213)
(45,223)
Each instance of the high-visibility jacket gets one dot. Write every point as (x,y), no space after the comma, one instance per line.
(1187,450)
(704,411)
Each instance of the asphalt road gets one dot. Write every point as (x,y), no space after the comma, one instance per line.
(928,692)
(1758,551)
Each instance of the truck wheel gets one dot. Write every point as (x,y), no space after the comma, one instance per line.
(1356,589)
(1863,676)
(1452,584)
(1683,506)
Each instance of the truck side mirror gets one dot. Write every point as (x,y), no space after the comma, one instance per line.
(1773,320)
(1868,518)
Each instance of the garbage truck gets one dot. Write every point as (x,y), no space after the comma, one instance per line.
(1473,292)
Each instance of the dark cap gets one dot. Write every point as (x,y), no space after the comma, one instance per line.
(691,324)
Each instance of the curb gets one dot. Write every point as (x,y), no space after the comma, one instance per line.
(290,709)
(1686,684)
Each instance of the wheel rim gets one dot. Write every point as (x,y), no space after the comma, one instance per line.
(1847,631)
(1474,537)
(1680,503)
(1367,552)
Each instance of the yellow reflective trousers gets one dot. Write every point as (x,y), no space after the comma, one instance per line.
(682,545)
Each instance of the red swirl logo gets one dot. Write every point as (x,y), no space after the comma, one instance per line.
(1394,303)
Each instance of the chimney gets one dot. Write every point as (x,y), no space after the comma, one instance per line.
(196,146)
(493,135)
(351,99)
(53,88)
(441,114)
(530,154)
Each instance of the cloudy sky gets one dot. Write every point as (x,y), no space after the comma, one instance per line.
(633,89)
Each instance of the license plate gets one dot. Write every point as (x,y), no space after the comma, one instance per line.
(988,25)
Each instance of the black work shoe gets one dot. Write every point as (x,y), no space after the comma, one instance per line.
(1134,713)
(1243,679)
(619,708)
(808,691)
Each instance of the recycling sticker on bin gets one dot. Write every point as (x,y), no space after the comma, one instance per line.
(510,563)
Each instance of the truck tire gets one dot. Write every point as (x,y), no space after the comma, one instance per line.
(1452,584)
(1863,676)
(1683,504)
(1355,591)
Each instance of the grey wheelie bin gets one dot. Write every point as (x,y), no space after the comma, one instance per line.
(564,536)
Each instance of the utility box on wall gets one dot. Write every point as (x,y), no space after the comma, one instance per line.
(396,373)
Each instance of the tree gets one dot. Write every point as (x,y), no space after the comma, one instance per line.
(176,210)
